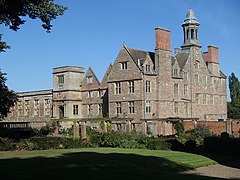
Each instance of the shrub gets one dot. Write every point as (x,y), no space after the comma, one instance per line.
(74,143)
(131,144)
(25,145)
(190,146)
(6,144)
(68,132)
(198,134)
(222,145)
(178,126)
(158,144)
(44,143)
(175,145)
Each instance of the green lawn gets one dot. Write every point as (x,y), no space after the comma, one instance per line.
(99,163)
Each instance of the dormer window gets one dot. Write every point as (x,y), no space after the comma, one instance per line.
(123,65)
(175,72)
(89,79)
(148,68)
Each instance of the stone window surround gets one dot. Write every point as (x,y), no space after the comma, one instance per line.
(89,79)
(123,65)
(148,86)
(148,106)
(60,79)
(131,87)
(175,88)
(118,108)
(75,109)
(117,88)
(131,107)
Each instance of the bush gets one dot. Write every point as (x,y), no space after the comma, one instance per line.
(222,145)
(198,134)
(25,145)
(175,145)
(158,144)
(45,143)
(131,144)
(6,144)
(178,126)
(190,146)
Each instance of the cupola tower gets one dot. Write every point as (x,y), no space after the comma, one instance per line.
(190,30)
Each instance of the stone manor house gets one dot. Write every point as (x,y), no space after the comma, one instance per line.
(140,85)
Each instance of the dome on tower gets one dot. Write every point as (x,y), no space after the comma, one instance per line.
(190,18)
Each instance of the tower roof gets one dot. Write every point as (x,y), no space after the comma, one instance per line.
(190,18)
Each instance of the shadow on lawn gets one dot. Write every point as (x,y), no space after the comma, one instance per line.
(90,165)
(223,159)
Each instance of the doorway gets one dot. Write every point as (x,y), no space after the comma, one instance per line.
(61,112)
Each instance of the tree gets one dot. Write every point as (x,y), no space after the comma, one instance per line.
(234,105)
(12,13)
(7,97)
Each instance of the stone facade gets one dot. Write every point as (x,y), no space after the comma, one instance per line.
(143,86)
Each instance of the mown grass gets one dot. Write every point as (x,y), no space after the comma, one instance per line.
(99,163)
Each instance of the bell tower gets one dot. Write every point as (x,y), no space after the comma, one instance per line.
(190,30)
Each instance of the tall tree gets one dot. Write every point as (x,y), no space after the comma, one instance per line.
(7,97)
(12,13)
(234,105)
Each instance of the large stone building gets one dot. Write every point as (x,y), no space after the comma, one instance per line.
(140,85)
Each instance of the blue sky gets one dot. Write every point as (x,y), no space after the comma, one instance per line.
(91,33)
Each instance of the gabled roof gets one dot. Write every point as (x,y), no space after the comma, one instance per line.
(182,58)
(105,77)
(222,75)
(139,56)
(90,86)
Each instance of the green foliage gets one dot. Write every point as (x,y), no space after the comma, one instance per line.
(44,143)
(222,145)
(234,105)
(133,140)
(67,132)
(178,126)
(26,145)
(111,139)
(175,145)
(12,13)
(198,134)
(7,97)
(6,144)
(190,146)
(3,45)
(158,144)
(131,144)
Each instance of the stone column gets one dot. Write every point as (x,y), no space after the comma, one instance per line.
(144,127)
(76,130)
(128,126)
(56,129)
(83,130)
(105,126)
(194,123)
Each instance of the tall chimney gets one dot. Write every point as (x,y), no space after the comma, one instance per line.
(211,55)
(162,39)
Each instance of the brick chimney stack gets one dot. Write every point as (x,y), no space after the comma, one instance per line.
(211,55)
(162,39)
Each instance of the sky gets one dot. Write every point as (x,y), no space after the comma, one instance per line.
(92,32)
